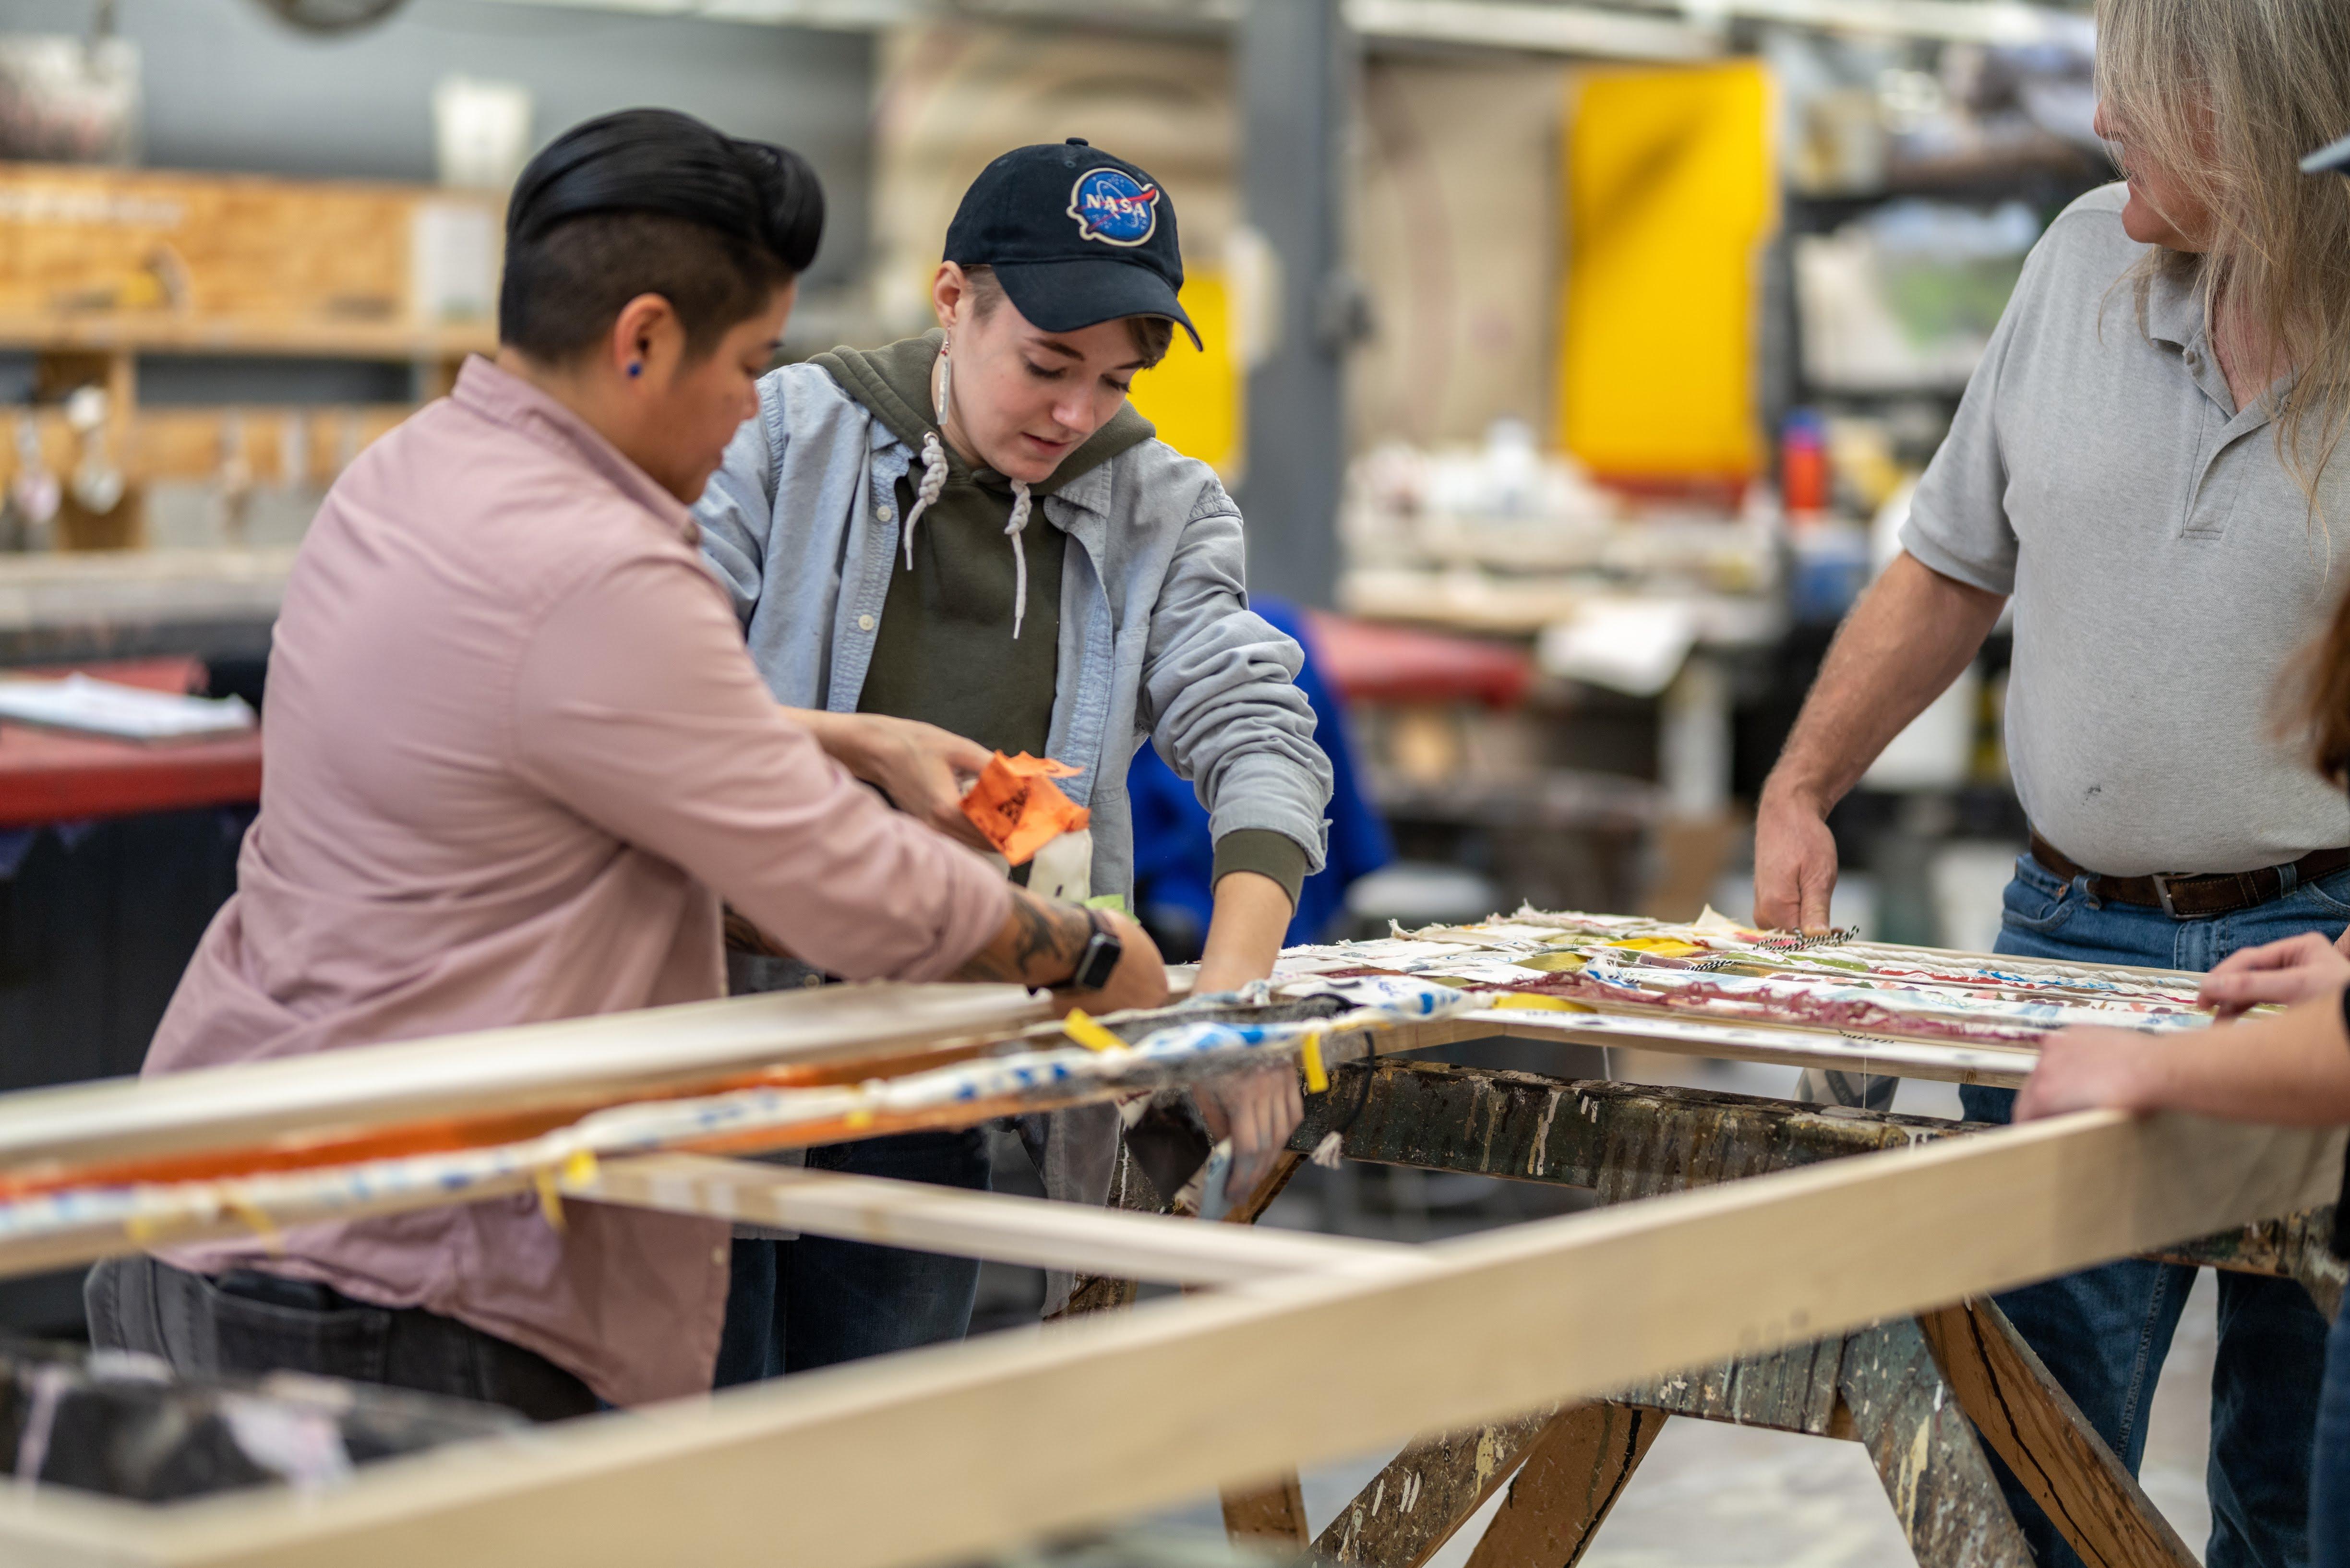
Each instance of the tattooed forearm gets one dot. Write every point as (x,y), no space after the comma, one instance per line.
(1038,944)
(1050,939)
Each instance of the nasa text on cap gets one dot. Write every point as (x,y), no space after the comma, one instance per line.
(1075,236)
(1113,207)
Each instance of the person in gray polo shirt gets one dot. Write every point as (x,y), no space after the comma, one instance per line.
(2156,497)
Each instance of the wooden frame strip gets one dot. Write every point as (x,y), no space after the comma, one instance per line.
(995,1226)
(63,1249)
(609,1057)
(991,1225)
(956,1450)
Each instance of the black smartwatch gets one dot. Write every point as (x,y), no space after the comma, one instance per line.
(1100,960)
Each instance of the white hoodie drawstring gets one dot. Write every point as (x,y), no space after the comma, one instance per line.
(1014,530)
(934,479)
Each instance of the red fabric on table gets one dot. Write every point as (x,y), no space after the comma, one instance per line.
(1380,662)
(55,775)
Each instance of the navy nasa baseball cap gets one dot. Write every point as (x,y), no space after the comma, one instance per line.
(1075,236)
(2336,157)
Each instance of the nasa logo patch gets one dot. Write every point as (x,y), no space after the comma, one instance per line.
(1109,206)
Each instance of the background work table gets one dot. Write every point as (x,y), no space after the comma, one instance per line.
(53,776)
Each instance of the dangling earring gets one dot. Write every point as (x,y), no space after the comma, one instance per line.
(946,376)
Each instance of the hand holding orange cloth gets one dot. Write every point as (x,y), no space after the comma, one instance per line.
(1016,805)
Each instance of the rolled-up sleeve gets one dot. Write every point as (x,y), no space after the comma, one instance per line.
(636,706)
(1220,693)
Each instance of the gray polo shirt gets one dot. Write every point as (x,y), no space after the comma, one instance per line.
(2164,562)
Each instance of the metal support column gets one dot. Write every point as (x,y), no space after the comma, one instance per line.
(1297,66)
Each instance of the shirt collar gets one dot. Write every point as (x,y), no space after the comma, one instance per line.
(2176,317)
(505,398)
(2173,308)
(1088,492)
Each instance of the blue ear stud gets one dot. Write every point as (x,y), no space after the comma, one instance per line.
(636,366)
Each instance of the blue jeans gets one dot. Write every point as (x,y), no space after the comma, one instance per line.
(2104,1332)
(796,1306)
(2329,1492)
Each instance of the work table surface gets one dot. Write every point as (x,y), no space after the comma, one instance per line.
(52,776)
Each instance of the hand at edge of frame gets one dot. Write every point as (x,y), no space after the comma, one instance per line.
(2294,970)
(1258,1110)
(2091,1068)
(1794,863)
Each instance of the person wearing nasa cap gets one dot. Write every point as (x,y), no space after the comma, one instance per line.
(969,542)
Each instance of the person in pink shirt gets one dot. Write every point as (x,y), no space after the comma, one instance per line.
(515,757)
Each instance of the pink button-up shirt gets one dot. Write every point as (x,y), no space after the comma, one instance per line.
(515,753)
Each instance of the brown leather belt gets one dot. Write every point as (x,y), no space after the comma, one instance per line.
(2195,897)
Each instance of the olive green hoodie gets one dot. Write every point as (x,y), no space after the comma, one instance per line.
(945,652)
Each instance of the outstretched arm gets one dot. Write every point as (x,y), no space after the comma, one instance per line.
(2286,1069)
(1257,1111)
(1244,932)
(1219,693)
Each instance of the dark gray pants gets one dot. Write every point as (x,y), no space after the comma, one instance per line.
(247,1324)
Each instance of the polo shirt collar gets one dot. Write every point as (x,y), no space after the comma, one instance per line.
(2173,308)
(2175,317)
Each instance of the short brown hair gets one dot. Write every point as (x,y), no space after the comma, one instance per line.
(1152,335)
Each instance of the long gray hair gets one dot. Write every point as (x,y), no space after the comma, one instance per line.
(2228,94)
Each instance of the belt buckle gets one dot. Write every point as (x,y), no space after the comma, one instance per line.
(2161,880)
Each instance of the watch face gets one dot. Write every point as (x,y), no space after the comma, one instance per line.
(1099,961)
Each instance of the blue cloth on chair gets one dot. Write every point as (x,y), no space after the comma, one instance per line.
(1174,857)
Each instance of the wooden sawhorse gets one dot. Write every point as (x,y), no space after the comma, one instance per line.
(1927,1397)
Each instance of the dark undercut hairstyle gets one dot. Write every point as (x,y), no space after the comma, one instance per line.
(649,200)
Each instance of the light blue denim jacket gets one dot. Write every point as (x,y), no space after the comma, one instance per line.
(1157,639)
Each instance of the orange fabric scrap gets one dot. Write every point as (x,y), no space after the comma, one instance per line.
(1016,805)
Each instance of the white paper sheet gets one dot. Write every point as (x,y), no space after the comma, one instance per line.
(126,712)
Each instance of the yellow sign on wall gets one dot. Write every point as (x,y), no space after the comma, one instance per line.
(1193,396)
(1671,193)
